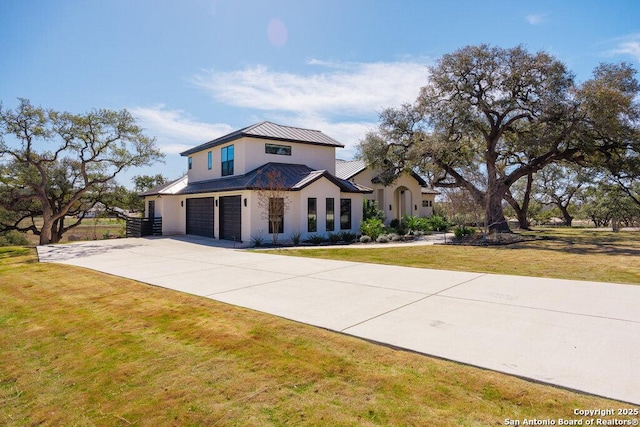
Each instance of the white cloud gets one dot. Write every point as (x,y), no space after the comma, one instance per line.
(535,19)
(341,99)
(174,130)
(353,89)
(630,46)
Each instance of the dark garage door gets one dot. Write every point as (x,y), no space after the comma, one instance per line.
(230,218)
(200,216)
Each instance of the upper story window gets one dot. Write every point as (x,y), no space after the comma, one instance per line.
(283,150)
(227,160)
(190,162)
(209,160)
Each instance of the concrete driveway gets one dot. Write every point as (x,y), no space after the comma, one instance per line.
(580,335)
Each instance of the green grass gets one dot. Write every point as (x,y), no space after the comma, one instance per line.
(565,253)
(83,348)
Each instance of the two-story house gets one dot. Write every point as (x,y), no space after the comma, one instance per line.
(228,178)
(221,194)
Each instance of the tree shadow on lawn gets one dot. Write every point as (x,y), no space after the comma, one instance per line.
(587,243)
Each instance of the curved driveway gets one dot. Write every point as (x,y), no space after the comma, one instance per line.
(579,335)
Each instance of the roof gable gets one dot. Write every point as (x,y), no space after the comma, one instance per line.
(347,169)
(271,131)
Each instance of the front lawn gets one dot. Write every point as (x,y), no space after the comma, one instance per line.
(564,253)
(84,348)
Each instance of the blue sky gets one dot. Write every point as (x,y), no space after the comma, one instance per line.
(193,70)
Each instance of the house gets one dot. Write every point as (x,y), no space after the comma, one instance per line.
(228,178)
(408,195)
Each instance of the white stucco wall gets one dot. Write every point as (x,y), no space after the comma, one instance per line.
(321,190)
(317,157)
(172,213)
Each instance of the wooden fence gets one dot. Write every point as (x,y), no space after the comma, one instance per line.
(140,227)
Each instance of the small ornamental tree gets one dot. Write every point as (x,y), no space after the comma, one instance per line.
(273,201)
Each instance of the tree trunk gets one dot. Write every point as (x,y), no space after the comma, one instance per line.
(568,219)
(521,213)
(45,231)
(523,221)
(496,222)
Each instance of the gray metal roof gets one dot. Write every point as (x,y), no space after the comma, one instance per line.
(346,169)
(168,188)
(272,131)
(293,178)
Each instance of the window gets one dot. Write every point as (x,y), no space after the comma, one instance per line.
(190,161)
(345,214)
(312,214)
(283,150)
(427,204)
(276,214)
(209,160)
(330,215)
(227,160)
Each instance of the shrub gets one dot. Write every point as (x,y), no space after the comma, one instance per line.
(372,227)
(296,237)
(382,239)
(370,210)
(13,238)
(365,239)
(315,239)
(398,226)
(416,224)
(394,237)
(257,241)
(438,223)
(333,237)
(348,237)
(462,231)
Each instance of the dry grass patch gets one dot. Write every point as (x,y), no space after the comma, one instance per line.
(84,348)
(576,254)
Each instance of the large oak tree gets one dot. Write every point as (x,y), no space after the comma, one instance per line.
(57,164)
(490,116)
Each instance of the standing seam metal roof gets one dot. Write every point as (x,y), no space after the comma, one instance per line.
(294,177)
(273,131)
(346,169)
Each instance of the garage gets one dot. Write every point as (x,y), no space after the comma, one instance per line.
(200,216)
(231,218)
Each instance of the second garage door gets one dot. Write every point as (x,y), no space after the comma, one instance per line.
(200,216)
(231,218)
